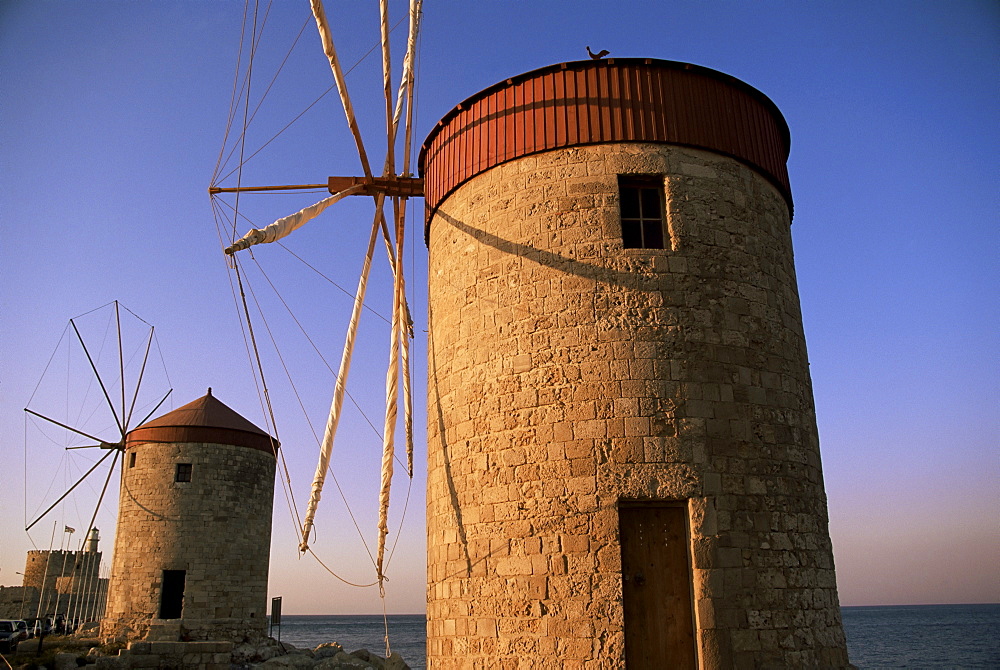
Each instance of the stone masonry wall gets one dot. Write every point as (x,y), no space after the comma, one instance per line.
(217,528)
(18,602)
(567,374)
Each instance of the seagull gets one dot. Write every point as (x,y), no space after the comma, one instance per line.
(599,55)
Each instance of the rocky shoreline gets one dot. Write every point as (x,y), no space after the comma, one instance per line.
(328,656)
(68,653)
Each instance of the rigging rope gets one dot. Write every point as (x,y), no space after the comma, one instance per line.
(339,287)
(322,95)
(338,576)
(315,348)
(260,103)
(232,102)
(279,454)
(287,481)
(231,270)
(246,107)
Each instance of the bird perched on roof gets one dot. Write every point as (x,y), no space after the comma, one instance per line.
(599,55)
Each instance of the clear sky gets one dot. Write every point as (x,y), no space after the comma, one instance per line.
(112,115)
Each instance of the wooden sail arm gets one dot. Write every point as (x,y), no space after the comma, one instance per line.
(213,190)
(402,187)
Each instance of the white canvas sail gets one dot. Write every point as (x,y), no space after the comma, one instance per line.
(289,224)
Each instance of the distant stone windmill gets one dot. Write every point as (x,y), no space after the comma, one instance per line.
(194,527)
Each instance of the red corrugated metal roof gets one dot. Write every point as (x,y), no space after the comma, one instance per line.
(206,419)
(601,101)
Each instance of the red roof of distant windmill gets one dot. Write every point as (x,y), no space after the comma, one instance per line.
(206,419)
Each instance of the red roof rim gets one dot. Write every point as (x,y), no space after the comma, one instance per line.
(583,64)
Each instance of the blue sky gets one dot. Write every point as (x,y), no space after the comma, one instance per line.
(111,121)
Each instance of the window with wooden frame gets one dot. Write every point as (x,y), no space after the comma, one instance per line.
(183,472)
(643,211)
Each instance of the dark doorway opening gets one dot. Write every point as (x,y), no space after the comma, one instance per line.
(172,594)
(656,586)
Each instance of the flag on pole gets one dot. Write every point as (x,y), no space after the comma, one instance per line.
(67,529)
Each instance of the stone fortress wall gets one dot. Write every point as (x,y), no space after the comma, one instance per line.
(568,375)
(46,566)
(58,582)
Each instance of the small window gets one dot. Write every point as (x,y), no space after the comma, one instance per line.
(642,211)
(131,460)
(183,472)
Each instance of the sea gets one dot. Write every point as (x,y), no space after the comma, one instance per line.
(906,636)
(407,633)
(923,636)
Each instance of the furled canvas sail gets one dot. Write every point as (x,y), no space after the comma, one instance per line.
(289,224)
(401,322)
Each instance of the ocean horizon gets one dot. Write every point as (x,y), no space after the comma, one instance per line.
(878,636)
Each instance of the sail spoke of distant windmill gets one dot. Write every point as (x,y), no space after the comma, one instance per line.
(142,371)
(104,489)
(155,407)
(121,368)
(70,490)
(99,441)
(97,375)
(123,414)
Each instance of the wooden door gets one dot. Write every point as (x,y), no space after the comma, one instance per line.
(656,587)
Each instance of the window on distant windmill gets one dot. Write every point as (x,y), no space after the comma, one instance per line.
(183,472)
(642,206)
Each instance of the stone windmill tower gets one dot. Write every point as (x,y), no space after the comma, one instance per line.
(623,454)
(194,526)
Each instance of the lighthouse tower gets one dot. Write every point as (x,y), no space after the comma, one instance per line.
(194,526)
(623,457)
